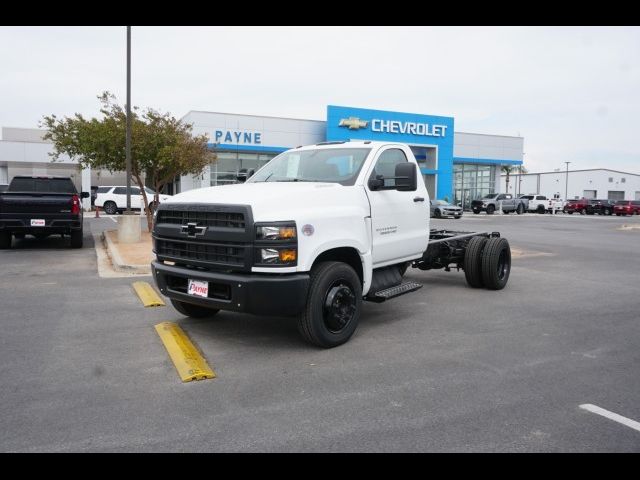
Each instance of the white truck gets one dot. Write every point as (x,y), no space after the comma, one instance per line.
(312,234)
(542,204)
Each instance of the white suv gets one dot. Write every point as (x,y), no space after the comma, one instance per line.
(113,199)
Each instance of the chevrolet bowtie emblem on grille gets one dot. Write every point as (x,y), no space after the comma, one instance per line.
(192,229)
(353,123)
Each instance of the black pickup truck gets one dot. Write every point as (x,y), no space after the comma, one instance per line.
(41,206)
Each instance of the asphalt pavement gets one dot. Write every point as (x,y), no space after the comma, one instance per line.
(446,368)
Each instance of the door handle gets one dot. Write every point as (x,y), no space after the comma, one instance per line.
(418,199)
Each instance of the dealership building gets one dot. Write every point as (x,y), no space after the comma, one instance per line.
(458,166)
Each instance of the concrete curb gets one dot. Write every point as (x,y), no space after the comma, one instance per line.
(118,263)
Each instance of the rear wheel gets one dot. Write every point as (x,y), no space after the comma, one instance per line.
(473,261)
(332,310)
(520,209)
(191,310)
(541,209)
(496,263)
(490,209)
(583,211)
(76,238)
(110,208)
(5,240)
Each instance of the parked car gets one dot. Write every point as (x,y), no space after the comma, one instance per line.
(601,207)
(442,208)
(627,207)
(580,205)
(493,201)
(113,199)
(542,204)
(41,206)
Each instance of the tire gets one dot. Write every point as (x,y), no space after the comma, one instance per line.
(496,263)
(520,209)
(437,213)
(457,217)
(194,311)
(617,214)
(334,301)
(541,209)
(490,209)
(476,211)
(19,236)
(609,212)
(110,208)
(583,211)
(472,263)
(570,213)
(5,240)
(76,238)
(506,212)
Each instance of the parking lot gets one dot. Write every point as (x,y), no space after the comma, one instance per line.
(446,368)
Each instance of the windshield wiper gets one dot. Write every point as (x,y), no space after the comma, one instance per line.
(295,180)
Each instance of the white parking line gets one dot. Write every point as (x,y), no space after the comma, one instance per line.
(611,416)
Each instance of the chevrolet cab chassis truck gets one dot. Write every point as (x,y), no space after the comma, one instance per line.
(312,234)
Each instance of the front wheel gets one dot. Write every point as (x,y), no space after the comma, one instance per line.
(476,211)
(496,263)
(457,217)
(490,209)
(437,213)
(520,209)
(334,301)
(191,310)
(5,240)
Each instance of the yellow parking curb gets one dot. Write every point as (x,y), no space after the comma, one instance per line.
(147,294)
(185,356)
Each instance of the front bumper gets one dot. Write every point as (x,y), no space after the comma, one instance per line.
(262,294)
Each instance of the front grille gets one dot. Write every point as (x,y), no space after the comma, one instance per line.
(227,253)
(208,219)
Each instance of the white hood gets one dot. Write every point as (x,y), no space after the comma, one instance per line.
(273,201)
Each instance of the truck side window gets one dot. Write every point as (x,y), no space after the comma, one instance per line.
(501,197)
(386,164)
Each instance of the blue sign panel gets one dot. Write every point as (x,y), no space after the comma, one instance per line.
(347,123)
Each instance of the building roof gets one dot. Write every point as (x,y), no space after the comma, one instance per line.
(572,171)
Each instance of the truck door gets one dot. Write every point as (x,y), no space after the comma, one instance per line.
(399,220)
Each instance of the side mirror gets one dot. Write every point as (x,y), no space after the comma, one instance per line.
(406,177)
(376,183)
(85,195)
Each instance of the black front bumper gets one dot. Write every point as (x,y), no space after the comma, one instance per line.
(262,294)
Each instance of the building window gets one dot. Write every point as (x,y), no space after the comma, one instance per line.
(471,181)
(623,180)
(615,195)
(610,179)
(225,169)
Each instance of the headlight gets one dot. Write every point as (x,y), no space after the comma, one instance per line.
(276,232)
(276,244)
(155,217)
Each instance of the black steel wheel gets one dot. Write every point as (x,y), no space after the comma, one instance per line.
(194,311)
(472,264)
(496,263)
(110,208)
(333,305)
(541,209)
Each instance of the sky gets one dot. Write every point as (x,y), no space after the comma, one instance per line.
(573,93)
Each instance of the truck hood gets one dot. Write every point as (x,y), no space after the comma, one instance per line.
(281,200)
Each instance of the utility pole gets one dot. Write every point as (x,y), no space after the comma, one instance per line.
(128,140)
(566,183)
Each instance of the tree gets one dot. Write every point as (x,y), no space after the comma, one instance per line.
(162,147)
(507,169)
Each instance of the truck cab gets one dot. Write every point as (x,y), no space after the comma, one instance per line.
(313,233)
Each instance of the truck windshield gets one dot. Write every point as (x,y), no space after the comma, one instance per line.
(42,185)
(334,165)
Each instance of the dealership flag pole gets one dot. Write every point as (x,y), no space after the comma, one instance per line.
(566,182)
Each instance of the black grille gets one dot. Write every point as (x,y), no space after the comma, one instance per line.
(227,253)
(208,219)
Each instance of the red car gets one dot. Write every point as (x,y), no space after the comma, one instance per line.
(581,205)
(627,207)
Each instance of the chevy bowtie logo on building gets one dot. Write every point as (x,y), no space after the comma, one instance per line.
(353,123)
(192,229)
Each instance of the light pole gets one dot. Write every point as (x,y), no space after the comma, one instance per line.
(566,182)
(128,139)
